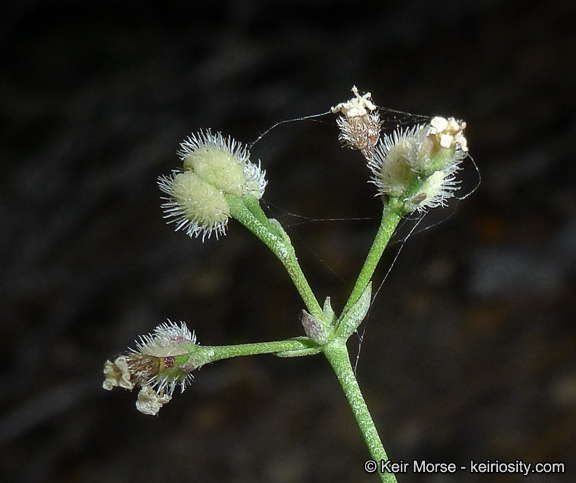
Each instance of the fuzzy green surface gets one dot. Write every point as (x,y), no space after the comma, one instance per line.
(219,168)
(199,201)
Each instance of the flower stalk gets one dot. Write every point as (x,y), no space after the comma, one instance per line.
(390,218)
(218,353)
(248,212)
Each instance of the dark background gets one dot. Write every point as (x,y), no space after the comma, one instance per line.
(469,348)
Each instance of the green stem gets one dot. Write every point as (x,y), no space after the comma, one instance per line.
(337,356)
(390,218)
(217,353)
(199,355)
(253,218)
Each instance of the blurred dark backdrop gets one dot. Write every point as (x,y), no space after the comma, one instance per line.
(468,352)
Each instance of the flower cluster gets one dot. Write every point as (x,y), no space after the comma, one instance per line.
(213,167)
(418,165)
(413,169)
(415,166)
(359,124)
(161,361)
